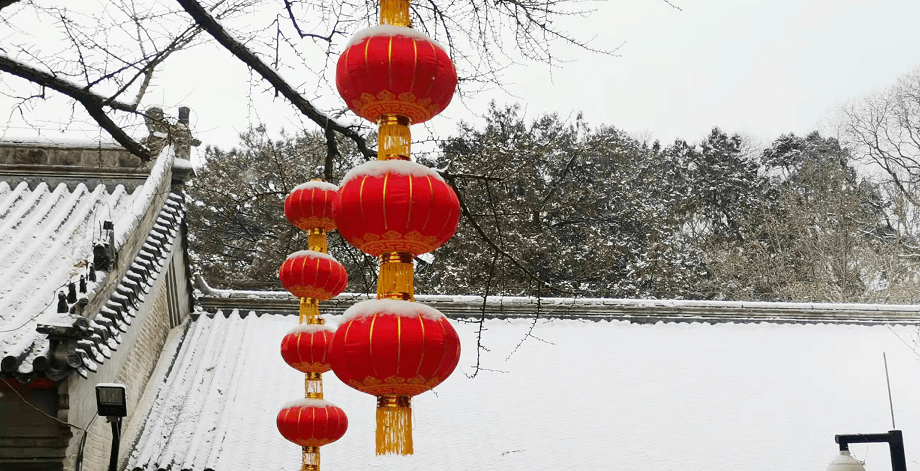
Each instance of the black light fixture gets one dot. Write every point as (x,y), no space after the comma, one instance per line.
(893,438)
(112,403)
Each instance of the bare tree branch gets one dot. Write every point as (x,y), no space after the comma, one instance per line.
(209,24)
(6,3)
(93,103)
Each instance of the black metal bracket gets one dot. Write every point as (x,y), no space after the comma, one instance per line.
(893,438)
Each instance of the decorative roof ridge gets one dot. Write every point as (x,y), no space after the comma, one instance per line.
(96,333)
(95,336)
(633,310)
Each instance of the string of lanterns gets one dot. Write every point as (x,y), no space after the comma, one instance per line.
(313,276)
(394,209)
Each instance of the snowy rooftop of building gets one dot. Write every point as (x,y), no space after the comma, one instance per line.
(551,394)
(47,235)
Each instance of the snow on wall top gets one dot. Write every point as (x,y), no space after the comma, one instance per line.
(46,242)
(574,395)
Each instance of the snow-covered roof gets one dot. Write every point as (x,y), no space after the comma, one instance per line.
(551,394)
(47,238)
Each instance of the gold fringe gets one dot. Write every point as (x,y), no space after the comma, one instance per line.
(395,12)
(394,140)
(309,311)
(316,240)
(313,385)
(396,278)
(310,459)
(394,425)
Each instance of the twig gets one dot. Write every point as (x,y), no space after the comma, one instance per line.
(92,102)
(217,31)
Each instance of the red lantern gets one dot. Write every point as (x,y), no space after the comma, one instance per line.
(396,206)
(309,274)
(306,348)
(395,70)
(312,422)
(309,206)
(394,350)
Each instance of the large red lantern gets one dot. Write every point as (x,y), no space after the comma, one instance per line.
(395,70)
(312,423)
(394,350)
(309,206)
(309,274)
(396,206)
(306,348)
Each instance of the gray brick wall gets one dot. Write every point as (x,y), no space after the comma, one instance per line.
(132,366)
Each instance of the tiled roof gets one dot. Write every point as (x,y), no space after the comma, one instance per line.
(552,394)
(47,238)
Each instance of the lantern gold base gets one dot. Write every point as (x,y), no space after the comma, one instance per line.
(394,425)
(310,459)
(396,278)
(313,385)
(316,240)
(394,141)
(395,12)
(309,311)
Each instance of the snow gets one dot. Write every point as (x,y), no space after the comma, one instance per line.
(318,185)
(390,31)
(310,329)
(60,142)
(573,395)
(393,307)
(312,254)
(307,402)
(379,168)
(46,242)
(111,385)
(145,195)
(183,164)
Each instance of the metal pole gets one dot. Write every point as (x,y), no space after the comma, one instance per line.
(116,439)
(896,447)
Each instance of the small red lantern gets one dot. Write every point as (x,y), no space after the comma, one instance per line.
(312,422)
(309,274)
(309,206)
(396,206)
(395,70)
(306,348)
(394,350)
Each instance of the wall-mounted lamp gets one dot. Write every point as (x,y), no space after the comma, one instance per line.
(845,462)
(112,403)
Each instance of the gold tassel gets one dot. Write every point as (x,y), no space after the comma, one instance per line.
(310,459)
(395,12)
(309,311)
(396,277)
(394,425)
(316,240)
(313,385)
(393,137)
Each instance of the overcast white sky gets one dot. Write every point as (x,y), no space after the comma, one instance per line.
(758,67)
